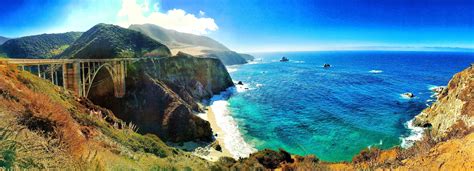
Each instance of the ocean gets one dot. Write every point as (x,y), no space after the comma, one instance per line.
(335,112)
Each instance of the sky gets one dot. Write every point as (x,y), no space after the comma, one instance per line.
(257,25)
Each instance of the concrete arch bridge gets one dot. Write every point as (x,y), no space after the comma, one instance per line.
(78,75)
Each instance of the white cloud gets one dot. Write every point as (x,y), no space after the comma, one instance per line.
(202,13)
(133,12)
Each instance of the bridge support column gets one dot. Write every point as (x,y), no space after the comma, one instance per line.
(72,77)
(119,77)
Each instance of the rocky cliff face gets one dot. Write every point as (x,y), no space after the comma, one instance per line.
(454,109)
(162,93)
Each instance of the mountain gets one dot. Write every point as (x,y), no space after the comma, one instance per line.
(111,41)
(192,44)
(38,46)
(3,40)
(174,39)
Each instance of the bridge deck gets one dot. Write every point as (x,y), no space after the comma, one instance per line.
(61,61)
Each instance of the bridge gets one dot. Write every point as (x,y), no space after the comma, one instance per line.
(77,75)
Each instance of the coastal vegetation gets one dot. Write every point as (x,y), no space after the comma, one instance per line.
(38,46)
(111,41)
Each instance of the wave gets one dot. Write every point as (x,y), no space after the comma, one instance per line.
(233,139)
(245,87)
(253,62)
(298,62)
(376,71)
(416,134)
(232,68)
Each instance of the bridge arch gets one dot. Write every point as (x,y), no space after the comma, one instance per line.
(104,68)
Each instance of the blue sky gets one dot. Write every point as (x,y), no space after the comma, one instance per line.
(252,25)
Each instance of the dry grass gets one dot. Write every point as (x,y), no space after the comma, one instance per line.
(23,148)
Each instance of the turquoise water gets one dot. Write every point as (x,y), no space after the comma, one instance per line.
(334,113)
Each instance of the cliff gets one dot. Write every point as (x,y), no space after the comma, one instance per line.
(162,94)
(454,110)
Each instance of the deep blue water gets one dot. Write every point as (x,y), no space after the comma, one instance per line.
(334,113)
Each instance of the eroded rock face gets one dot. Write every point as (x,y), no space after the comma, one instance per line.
(454,108)
(162,94)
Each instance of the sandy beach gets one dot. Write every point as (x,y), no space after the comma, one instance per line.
(214,154)
(207,150)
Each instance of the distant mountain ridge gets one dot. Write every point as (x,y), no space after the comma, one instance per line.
(174,39)
(38,46)
(196,45)
(3,40)
(111,41)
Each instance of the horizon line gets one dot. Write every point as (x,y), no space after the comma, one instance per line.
(388,49)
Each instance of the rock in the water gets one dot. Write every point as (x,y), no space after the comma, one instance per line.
(215,145)
(240,83)
(327,65)
(408,95)
(438,90)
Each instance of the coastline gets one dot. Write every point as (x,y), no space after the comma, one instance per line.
(216,130)
(224,129)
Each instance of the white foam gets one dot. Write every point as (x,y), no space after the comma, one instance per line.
(233,139)
(404,96)
(243,88)
(416,133)
(232,68)
(254,62)
(432,87)
(298,62)
(202,116)
(376,71)
(258,85)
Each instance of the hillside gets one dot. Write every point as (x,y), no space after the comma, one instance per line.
(174,39)
(3,40)
(45,127)
(38,46)
(192,44)
(111,41)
